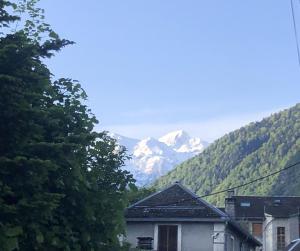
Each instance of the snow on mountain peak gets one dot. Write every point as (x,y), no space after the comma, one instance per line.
(151,146)
(182,142)
(152,158)
(176,138)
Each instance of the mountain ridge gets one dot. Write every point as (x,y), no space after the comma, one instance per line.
(243,155)
(152,158)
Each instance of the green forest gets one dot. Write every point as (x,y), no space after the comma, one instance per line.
(243,155)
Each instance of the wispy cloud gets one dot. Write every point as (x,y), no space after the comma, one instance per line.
(144,113)
(208,129)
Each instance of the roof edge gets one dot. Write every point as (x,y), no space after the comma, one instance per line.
(244,232)
(265,196)
(212,207)
(156,219)
(150,196)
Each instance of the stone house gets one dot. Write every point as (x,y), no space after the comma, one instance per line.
(175,219)
(274,220)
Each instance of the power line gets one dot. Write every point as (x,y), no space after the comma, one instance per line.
(295,30)
(252,181)
(235,187)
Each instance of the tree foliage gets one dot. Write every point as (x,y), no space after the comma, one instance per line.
(135,193)
(246,154)
(61,183)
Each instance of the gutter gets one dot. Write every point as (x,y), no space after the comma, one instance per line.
(244,232)
(174,219)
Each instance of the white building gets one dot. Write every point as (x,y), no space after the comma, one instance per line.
(274,220)
(175,219)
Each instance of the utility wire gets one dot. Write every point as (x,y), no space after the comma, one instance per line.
(232,188)
(252,181)
(295,30)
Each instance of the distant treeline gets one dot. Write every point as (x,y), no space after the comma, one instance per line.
(246,154)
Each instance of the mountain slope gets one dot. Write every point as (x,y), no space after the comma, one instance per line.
(152,158)
(243,155)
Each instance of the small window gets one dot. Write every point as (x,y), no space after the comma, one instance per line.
(257,229)
(145,243)
(280,238)
(277,202)
(245,204)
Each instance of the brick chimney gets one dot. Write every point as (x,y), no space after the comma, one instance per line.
(230,204)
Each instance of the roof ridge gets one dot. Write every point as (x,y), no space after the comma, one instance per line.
(212,207)
(266,196)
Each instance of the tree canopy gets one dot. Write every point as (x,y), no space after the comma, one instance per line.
(244,155)
(61,183)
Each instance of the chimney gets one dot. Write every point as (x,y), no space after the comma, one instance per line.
(230,204)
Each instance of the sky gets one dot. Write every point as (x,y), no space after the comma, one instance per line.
(153,66)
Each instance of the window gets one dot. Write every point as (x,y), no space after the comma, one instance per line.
(280,238)
(167,237)
(145,243)
(277,202)
(257,229)
(245,204)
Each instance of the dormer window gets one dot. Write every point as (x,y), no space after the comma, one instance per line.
(245,204)
(277,202)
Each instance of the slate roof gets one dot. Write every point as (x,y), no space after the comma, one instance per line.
(293,246)
(175,201)
(277,206)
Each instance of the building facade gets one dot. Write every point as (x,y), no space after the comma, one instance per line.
(175,219)
(274,220)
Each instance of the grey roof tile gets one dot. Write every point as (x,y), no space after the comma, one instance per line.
(277,206)
(174,201)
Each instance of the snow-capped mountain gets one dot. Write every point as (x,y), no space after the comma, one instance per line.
(180,141)
(152,158)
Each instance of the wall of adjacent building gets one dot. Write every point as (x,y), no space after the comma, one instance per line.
(235,242)
(291,226)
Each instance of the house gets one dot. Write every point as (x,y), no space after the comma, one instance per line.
(175,219)
(274,220)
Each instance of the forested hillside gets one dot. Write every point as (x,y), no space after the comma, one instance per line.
(243,155)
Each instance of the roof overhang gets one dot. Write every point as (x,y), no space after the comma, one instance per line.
(243,231)
(212,220)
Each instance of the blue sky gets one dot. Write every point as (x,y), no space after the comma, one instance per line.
(152,66)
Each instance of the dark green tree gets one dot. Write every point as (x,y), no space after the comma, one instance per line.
(243,155)
(61,183)
(135,193)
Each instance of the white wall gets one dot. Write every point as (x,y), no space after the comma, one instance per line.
(194,236)
(134,230)
(197,237)
(219,237)
(291,226)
